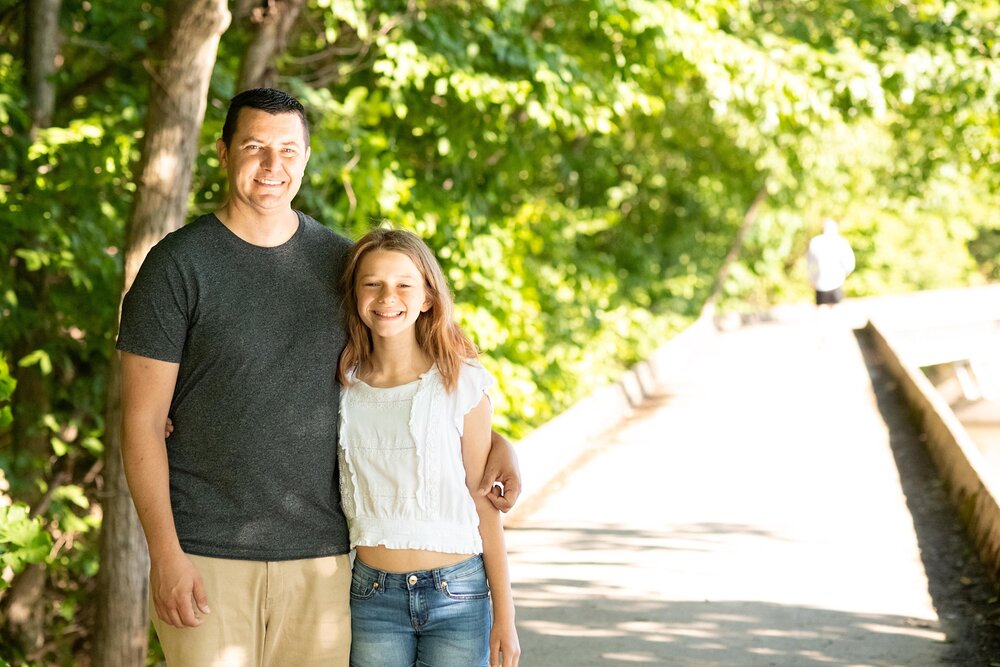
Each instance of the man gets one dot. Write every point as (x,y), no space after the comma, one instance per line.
(830,260)
(233,330)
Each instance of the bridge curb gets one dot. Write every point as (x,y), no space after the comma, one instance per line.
(953,451)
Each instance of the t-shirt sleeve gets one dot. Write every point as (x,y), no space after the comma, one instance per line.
(473,383)
(155,310)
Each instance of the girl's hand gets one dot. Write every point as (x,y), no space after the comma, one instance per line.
(505,649)
(168,428)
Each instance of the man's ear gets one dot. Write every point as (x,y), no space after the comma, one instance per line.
(222,152)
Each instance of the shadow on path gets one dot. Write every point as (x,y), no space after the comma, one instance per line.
(581,621)
(598,631)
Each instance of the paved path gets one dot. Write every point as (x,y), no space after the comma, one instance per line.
(736,522)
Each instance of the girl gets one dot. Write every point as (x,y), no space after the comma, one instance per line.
(414,436)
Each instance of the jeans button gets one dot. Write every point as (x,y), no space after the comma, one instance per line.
(412,580)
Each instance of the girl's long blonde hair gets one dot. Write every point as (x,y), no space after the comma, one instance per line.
(437,333)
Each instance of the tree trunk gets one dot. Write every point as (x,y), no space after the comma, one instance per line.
(177,101)
(31,400)
(708,310)
(41,48)
(23,617)
(41,51)
(272,20)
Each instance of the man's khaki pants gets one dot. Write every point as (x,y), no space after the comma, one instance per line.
(266,614)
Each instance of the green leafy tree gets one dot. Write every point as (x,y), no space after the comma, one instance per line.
(582,169)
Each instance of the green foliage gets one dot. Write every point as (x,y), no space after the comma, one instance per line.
(23,539)
(518,144)
(581,170)
(64,198)
(985,248)
(909,160)
(7,385)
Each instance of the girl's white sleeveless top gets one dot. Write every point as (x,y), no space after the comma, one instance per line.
(402,480)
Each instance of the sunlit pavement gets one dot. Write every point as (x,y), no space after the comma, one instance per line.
(752,516)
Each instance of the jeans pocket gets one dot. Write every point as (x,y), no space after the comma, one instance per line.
(363,586)
(466,588)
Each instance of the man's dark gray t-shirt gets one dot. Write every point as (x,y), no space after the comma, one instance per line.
(257,333)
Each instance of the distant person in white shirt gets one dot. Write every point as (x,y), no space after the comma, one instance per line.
(830,260)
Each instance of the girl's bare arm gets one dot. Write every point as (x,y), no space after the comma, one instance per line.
(504,644)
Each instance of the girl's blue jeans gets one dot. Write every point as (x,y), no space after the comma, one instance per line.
(429,618)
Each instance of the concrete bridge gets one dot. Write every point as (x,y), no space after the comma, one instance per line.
(770,498)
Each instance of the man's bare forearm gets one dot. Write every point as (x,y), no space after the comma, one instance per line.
(501,466)
(147,387)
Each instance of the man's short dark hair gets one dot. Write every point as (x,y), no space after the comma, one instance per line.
(266,99)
